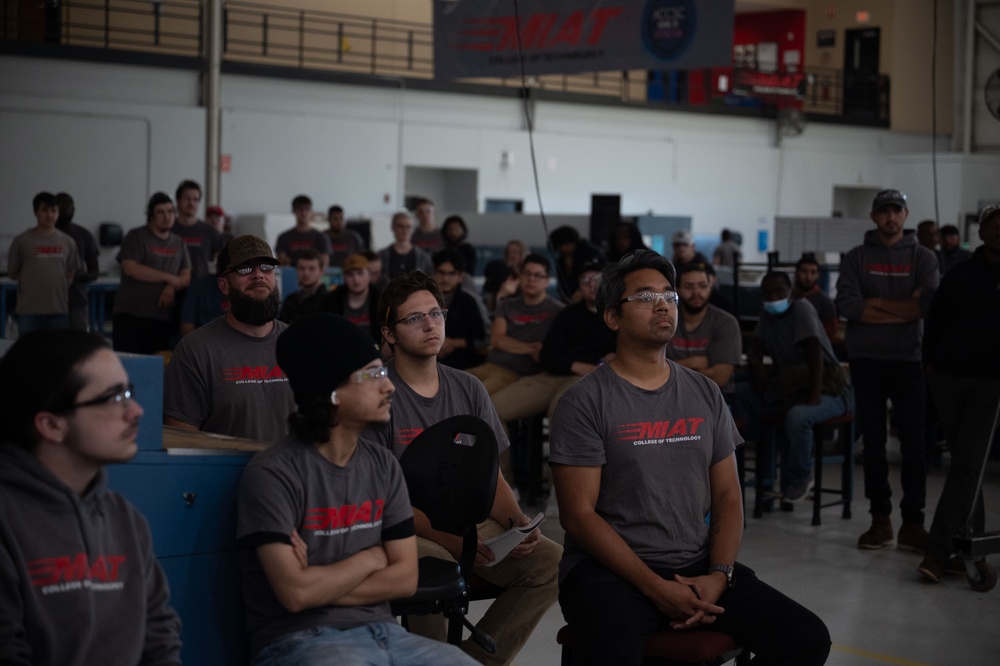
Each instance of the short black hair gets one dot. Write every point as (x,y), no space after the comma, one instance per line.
(612,288)
(564,235)
(334,209)
(309,254)
(807,259)
(448,255)
(541,260)
(186,185)
(455,219)
(41,373)
(778,275)
(157,199)
(301,200)
(401,288)
(949,230)
(46,199)
(694,267)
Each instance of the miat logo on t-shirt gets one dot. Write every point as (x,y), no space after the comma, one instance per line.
(193,241)
(48,250)
(359,320)
(254,374)
(164,251)
(333,520)
(404,436)
(891,270)
(525,319)
(301,245)
(643,433)
(65,573)
(691,345)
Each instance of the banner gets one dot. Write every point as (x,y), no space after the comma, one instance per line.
(481,38)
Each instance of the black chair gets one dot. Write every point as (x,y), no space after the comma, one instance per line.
(451,472)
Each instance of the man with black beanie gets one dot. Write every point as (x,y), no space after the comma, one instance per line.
(325,521)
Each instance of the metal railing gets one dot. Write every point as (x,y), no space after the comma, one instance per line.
(327,41)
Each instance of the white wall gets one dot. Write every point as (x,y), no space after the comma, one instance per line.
(352,144)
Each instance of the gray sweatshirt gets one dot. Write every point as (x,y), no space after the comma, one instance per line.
(895,272)
(79,583)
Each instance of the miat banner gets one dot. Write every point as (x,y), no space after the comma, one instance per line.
(479,38)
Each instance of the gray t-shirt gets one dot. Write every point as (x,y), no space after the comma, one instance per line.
(226,382)
(411,414)
(782,335)
(525,323)
(343,245)
(655,449)
(294,242)
(141,299)
(428,241)
(43,261)
(338,511)
(717,337)
(203,243)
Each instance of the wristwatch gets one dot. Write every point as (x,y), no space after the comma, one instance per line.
(724,568)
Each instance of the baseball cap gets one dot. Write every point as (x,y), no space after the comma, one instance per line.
(682,238)
(988,212)
(244,249)
(889,198)
(354,262)
(215,210)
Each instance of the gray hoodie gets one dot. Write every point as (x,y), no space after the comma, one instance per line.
(79,583)
(875,269)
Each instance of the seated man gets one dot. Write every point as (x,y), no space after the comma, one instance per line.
(80,581)
(309,297)
(807,287)
(325,521)
(642,452)
(809,385)
(519,327)
(223,377)
(707,339)
(575,345)
(426,393)
(464,330)
(357,299)
(204,301)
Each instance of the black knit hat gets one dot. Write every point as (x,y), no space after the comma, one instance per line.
(319,351)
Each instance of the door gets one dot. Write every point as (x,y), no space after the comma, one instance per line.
(861,75)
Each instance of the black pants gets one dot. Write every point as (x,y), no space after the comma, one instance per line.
(612,621)
(874,382)
(139,335)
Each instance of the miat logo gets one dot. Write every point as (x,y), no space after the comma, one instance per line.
(895,270)
(658,432)
(343,517)
(542,31)
(70,572)
(668,27)
(46,250)
(255,373)
(525,319)
(690,344)
(406,435)
(164,251)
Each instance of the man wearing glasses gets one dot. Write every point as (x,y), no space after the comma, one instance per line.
(223,377)
(519,327)
(642,451)
(80,581)
(426,393)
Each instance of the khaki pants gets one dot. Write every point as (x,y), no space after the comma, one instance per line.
(530,589)
(493,376)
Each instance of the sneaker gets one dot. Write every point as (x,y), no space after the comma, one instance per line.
(932,568)
(955,567)
(798,491)
(878,535)
(912,538)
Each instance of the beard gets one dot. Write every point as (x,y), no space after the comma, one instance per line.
(254,311)
(692,310)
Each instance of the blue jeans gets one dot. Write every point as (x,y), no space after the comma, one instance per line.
(797,443)
(375,644)
(26,323)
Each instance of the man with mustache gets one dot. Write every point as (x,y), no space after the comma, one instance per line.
(223,377)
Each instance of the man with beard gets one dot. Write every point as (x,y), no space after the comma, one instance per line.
(223,377)
(807,287)
(707,338)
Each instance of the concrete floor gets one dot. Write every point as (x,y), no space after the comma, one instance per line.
(878,609)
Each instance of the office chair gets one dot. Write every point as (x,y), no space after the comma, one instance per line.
(451,472)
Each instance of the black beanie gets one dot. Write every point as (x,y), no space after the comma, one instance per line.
(319,351)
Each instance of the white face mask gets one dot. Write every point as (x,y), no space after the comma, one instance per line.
(777,307)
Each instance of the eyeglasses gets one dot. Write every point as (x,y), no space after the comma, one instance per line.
(438,315)
(652,298)
(119,395)
(445,273)
(380,372)
(247,269)
(592,281)
(534,276)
